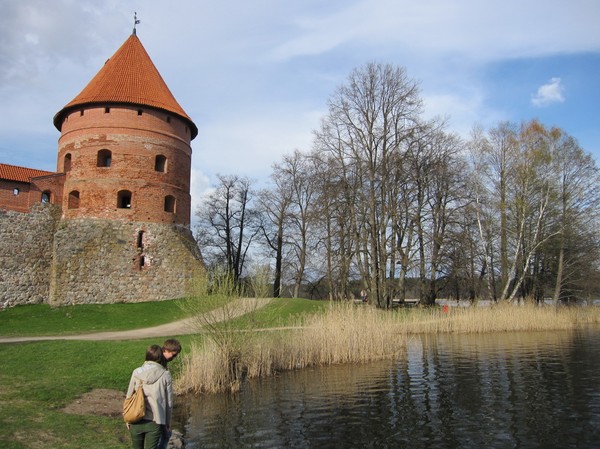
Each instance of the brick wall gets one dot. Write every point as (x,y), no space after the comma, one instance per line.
(134,137)
(30,194)
(9,200)
(51,184)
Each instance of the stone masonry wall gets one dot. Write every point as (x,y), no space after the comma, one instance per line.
(107,261)
(26,254)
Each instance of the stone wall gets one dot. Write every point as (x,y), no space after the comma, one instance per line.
(85,261)
(107,261)
(26,254)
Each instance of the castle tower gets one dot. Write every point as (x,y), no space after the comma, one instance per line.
(125,145)
(125,151)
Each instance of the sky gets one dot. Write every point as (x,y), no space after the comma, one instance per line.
(255,75)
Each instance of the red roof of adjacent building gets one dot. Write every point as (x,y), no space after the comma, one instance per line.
(20,174)
(128,77)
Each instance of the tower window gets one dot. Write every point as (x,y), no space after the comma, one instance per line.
(160,163)
(140,260)
(46,195)
(170,204)
(139,112)
(106,110)
(168,119)
(124,199)
(140,240)
(73,200)
(16,192)
(67,162)
(81,113)
(104,158)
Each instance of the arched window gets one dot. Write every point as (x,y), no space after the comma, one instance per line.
(170,204)
(160,163)
(104,158)
(67,162)
(124,199)
(46,196)
(73,200)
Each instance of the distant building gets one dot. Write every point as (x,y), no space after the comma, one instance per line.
(21,188)
(121,196)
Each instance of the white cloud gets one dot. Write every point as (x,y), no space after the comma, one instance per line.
(249,145)
(551,92)
(476,30)
(255,76)
(200,186)
(462,111)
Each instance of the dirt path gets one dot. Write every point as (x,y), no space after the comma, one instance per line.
(181,327)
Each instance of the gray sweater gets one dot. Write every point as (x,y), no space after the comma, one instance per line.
(158,391)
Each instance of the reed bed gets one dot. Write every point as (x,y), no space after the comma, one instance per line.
(348,333)
(499,318)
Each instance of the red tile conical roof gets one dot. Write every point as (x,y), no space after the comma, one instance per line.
(128,77)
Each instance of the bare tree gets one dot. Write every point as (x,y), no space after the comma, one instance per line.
(334,226)
(483,211)
(228,224)
(370,118)
(299,171)
(574,246)
(532,187)
(275,206)
(436,174)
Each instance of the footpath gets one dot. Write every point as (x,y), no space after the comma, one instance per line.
(186,326)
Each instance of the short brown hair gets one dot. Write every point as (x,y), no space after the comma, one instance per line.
(154,354)
(172,345)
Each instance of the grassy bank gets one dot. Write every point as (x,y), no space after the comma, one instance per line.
(41,319)
(38,379)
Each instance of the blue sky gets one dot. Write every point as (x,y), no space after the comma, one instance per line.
(255,75)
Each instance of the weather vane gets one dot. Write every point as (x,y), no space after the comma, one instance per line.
(135,21)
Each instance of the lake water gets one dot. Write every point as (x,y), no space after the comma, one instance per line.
(515,390)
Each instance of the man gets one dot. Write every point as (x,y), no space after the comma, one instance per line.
(170,349)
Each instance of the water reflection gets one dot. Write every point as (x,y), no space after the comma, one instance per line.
(525,390)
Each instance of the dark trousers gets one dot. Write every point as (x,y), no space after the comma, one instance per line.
(145,435)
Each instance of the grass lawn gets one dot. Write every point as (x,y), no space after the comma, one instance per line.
(38,379)
(41,319)
(279,312)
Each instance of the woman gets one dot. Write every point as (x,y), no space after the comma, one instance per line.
(158,393)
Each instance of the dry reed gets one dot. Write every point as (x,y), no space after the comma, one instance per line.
(499,318)
(347,333)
